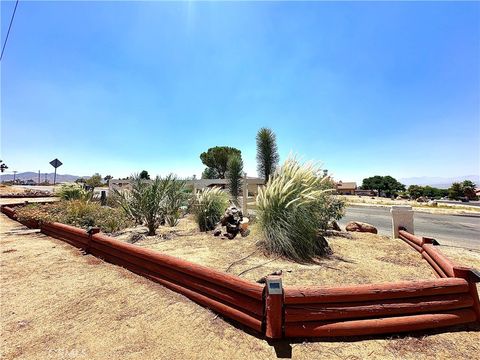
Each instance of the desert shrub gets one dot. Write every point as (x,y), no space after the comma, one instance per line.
(177,196)
(209,206)
(295,203)
(153,202)
(73,192)
(77,213)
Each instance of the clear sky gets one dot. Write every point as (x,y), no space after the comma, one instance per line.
(366,88)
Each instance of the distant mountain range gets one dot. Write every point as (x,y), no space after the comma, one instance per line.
(34,176)
(439,182)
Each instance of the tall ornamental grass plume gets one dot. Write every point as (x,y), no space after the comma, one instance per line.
(209,206)
(291,208)
(234,176)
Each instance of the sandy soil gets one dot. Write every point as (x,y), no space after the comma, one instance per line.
(441,208)
(58,304)
(364,259)
(8,189)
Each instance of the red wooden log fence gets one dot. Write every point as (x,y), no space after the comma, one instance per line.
(276,311)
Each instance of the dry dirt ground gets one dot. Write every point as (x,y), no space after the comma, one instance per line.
(440,208)
(59,304)
(364,259)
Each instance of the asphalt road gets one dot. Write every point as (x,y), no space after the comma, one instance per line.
(454,230)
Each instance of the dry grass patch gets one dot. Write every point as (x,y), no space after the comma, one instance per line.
(58,304)
(367,258)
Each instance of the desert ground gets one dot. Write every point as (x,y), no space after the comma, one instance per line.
(58,303)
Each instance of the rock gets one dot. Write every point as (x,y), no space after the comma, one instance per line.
(334,226)
(338,233)
(422,199)
(432,203)
(217,232)
(356,226)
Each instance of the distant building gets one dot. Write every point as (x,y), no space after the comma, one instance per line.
(199,184)
(362,192)
(346,188)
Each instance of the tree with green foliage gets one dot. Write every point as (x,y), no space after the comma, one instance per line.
(144,175)
(267,153)
(217,158)
(108,178)
(234,176)
(455,192)
(95,180)
(468,188)
(387,184)
(415,191)
(209,173)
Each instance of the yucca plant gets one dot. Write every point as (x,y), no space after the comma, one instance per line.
(234,176)
(147,202)
(290,210)
(209,206)
(267,153)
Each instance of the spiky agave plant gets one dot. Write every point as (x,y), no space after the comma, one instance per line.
(290,209)
(209,206)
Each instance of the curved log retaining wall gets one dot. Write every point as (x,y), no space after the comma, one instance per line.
(298,311)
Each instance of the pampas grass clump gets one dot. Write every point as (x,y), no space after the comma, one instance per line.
(291,209)
(209,206)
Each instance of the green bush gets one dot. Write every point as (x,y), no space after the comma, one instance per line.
(73,192)
(295,203)
(77,213)
(153,203)
(209,206)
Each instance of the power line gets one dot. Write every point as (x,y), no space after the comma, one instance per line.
(8,32)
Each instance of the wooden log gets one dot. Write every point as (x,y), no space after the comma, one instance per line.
(75,239)
(442,261)
(68,229)
(274,308)
(410,237)
(377,308)
(380,326)
(403,289)
(438,270)
(211,289)
(235,283)
(201,299)
(412,244)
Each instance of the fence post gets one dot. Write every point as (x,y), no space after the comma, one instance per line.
(245,195)
(402,216)
(274,307)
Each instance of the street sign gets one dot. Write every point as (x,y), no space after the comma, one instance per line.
(55,163)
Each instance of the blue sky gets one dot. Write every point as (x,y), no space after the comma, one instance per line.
(366,88)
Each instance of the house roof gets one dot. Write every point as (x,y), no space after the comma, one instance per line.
(346,185)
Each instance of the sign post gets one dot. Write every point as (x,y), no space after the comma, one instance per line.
(55,163)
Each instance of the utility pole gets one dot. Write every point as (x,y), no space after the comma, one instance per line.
(38,177)
(14,174)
